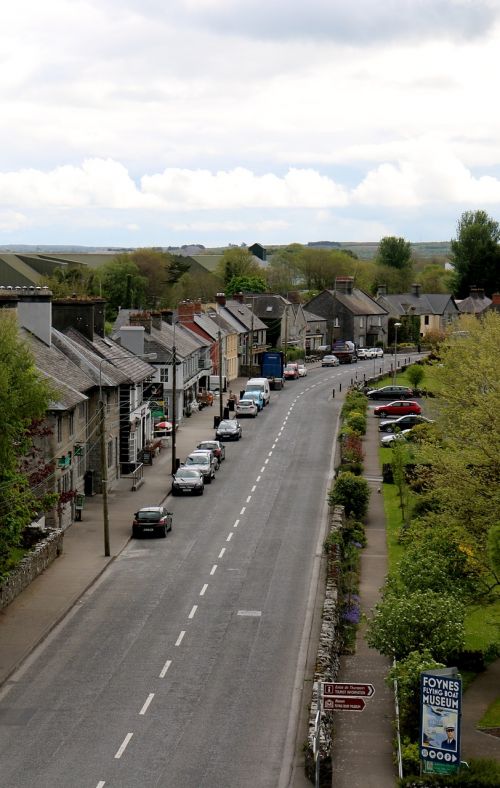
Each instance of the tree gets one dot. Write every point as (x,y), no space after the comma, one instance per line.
(415,375)
(434,278)
(351,492)
(476,253)
(403,623)
(245,284)
(394,252)
(237,262)
(24,397)
(122,283)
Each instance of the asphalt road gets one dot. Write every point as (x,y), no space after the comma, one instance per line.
(180,667)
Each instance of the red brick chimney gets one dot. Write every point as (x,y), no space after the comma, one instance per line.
(220,299)
(496,298)
(240,297)
(187,309)
(143,319)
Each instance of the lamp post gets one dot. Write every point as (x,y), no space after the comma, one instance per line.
(396,326)
(219,348)
(174,407)
(104,452)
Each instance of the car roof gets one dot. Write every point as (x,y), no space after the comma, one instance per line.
(150,509)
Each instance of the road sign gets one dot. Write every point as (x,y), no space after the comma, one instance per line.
(343,704)
(440,715)
(349,689)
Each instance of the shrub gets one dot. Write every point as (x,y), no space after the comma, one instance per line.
(351,492)
(415,375)
(407,674)
(482,773)
(422,620)
(357,422)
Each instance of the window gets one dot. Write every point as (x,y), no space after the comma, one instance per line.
(59,429)
(426,320)
(164,375)
(110,453)
(336,322)
(71,422)
(361,322)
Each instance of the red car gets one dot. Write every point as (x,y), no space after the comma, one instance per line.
(291,371)
(398,408)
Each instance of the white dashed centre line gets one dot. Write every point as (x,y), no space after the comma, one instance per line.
(148,701)
(257,479)
(270,454)
(236,523)
(265,462)
(165,668)
(193,611)
(249,498)
(273,446)
(202,592)
(123,745)
(262,469)
(230,536)
(180,638)
(214,568)
(253,488)
(101,784)
(243,510)
(221,552)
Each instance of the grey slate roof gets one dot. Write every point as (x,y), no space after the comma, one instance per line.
(241,317)
(424,304)
(121,365)
(267,306)
(68,379)
(162,341)
(311,317)
(359,303)
(474,305)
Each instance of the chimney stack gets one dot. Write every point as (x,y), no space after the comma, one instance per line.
(415,289)
(381,290)
(495,299)
(220,299)
(143,319)
(187,309)
(84,314)
(239,297)
(344,284)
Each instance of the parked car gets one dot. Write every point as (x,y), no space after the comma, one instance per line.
(398,408)
(330,361)
(402,423)
(388,440)
(302,370)
(201,462)
(153,520)
(323,348)
(228,430)
(217,447)
(379,352)
(257,398)
(390,392)
(246,407)
(291,371)
(211,453)
(188,481)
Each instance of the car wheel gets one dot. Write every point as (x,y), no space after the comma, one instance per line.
(163,532)
(209,480)
(135,533)
(382,414)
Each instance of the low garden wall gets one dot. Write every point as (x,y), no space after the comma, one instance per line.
(33,564)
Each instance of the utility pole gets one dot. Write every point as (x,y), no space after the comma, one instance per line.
(104,475)
(174,406)
(219,346)
(286,333)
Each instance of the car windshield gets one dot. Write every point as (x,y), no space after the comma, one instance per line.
(226,425)
(149,516)
(185,473)
(199,459)
(208,445)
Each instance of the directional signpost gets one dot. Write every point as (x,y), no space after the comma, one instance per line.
(336,703)
(347,689)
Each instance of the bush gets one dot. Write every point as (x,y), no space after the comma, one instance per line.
(422,620)
(415,375)
(407,674)
(482,773)
(354,400)
(351,492)
(357,422)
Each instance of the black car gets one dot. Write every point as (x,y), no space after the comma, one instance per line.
(390,392)
(188,480)
(152,520)
(228,430)
(403,423)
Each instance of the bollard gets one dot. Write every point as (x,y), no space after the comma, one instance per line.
(351,381)
(340,386)
(333,393)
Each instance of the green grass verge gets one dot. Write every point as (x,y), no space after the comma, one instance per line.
(482,626)
(491,719)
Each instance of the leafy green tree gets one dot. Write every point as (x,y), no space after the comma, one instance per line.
(245,284)
(476,253)
(24,397)
(237,262)
(407,675)
(415,375)
(351,492)
(434,278)
(415,621)
(122,284)
(395,253)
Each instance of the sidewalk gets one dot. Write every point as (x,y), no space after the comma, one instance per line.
(44,603)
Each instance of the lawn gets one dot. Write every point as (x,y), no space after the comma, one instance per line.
(492,717)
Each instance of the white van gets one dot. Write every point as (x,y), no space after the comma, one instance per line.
(262,385)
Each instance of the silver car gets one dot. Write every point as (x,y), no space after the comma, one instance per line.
(202,462)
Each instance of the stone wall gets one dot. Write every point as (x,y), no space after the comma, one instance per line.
(32,565)
(328,656)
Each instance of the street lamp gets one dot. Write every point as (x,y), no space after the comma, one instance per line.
(396,326)
(104,452)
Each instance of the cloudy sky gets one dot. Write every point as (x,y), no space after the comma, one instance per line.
(163,122)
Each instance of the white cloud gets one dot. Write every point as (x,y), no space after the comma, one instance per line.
(12,220)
